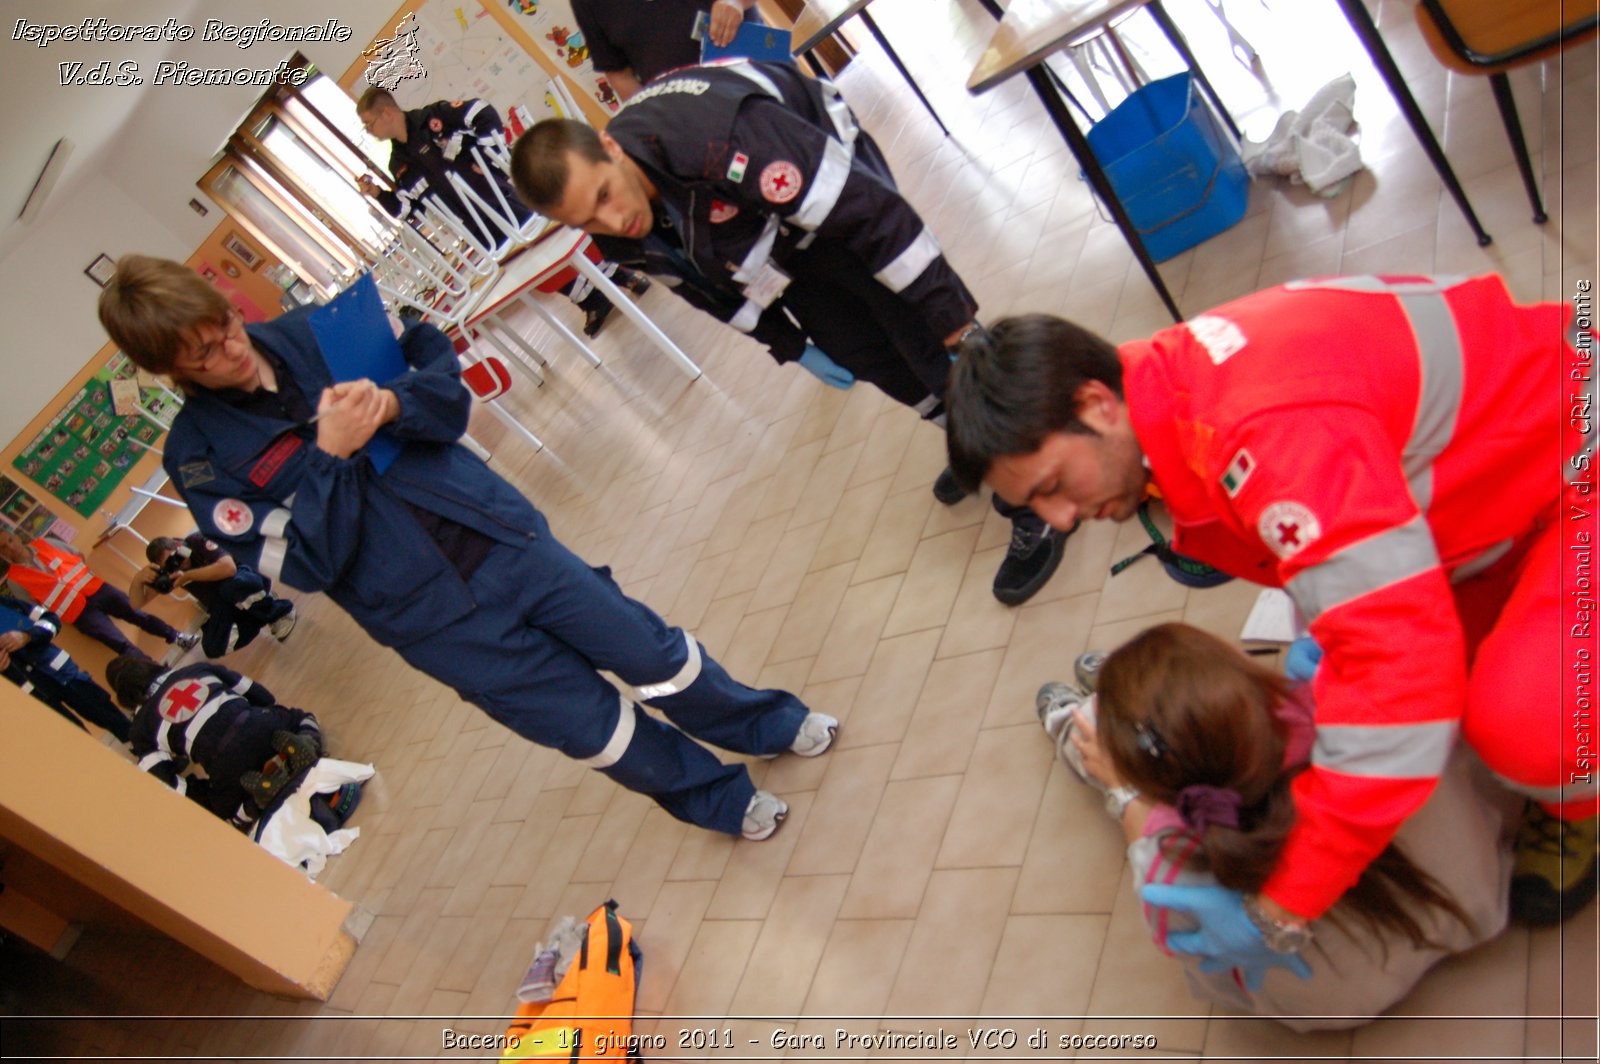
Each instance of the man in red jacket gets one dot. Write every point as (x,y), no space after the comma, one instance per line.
(1411,460)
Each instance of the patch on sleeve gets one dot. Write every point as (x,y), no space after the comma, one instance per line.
(232,517)
(1287,528)
(193,474)
(737,166)
(780,182)
(1221,338)
(1238,472)
(721,212)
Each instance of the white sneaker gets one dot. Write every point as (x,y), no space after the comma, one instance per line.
(815,735)
(764,815)
(281,627)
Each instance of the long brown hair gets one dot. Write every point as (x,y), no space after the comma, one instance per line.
(1180,707)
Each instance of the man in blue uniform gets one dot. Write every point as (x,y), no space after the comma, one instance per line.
(437,556)
(238,600)
(756,185)
(29,659)
(430,145)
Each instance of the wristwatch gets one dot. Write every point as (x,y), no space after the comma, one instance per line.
(968,331)
(1117,801)
(1279,937)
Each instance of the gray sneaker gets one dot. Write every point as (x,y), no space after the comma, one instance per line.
(281,627)
(1087,669)
(815,735)
(764,815)
(1058,705)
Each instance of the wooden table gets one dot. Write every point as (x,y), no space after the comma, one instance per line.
(821,17)
(1033,30)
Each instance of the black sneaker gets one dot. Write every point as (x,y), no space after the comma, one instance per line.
(1031,560)
(638,284)
(946,490)
(595,320)
(301,749)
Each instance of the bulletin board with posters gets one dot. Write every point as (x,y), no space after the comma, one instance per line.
(466,53)
(87,448)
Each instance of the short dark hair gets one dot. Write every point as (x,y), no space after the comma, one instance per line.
(539,159)
(374,98)
(159,546)
(130,677)
(1016,383)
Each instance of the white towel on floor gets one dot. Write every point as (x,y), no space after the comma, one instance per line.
(1313,145)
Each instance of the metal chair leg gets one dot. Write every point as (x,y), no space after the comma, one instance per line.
(1519,145)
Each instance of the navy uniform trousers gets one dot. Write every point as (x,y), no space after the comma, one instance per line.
(528,655)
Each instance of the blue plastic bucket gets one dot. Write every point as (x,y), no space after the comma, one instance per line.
(1172,165)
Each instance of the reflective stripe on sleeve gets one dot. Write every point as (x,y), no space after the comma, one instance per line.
(1442,372)
(621,736)
(61,659)
(274,543)
(180,784)
(473,111)
(909,264)
(1391,751)
(826,184)
(844,123)
(759,254)
(151,760)
(1376,562)
(685,676)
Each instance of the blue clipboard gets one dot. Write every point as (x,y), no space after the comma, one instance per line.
(764,44)
(352,329)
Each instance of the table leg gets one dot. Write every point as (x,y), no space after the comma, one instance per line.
(640,318)
(1355,13)
(488,333)
(561,327)
(1099,182)
(516,426)
(1170,28)
(872,27)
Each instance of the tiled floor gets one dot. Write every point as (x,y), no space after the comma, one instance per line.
(936,864)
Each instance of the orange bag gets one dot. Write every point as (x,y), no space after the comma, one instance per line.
(590,1015)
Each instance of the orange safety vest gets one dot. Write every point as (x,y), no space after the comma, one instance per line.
(590,1014)
(60,584)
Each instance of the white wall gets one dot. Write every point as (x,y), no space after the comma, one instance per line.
(128,184)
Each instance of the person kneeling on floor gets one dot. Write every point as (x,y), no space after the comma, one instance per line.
(1195,748)
(252,753)
(238,600)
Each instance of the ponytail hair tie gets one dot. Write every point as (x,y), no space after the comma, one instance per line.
(1201,805)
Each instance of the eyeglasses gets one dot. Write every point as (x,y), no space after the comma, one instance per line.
(204,354)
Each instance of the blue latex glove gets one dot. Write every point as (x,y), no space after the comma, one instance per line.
(825,369)
(1226,938)
(1300,663)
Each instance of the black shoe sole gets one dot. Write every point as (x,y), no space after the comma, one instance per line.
(1016,596)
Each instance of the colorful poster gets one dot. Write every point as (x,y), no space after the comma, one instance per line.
(85,450)
(552,24)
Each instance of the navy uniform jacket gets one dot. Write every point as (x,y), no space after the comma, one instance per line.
(261,487)
(758,161)
(40,668)
(439,140)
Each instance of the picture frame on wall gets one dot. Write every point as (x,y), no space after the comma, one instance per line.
(100,271)
(235,245)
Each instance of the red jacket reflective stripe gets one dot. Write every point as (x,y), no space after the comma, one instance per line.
(1356,446)
(61,582)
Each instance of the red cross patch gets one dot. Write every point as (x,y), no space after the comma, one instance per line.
(1287,528)
(232,517)
(181,701)
(721,212)
(780,182)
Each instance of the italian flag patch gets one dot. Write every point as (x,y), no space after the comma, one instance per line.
(736,168)
(1238,472)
